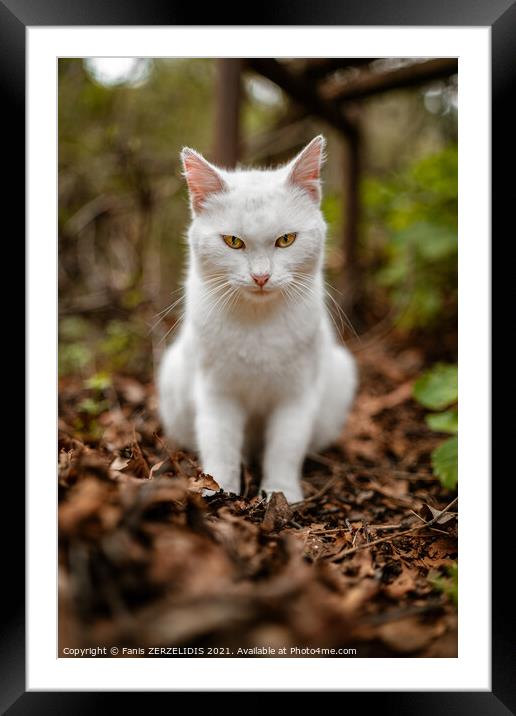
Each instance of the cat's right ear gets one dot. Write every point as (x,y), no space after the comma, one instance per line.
(202,178)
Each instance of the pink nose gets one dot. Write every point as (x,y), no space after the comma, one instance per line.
(260,278)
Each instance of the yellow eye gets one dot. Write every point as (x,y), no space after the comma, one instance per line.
(233,242)
(286,240)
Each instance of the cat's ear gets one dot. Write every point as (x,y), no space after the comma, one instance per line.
(202,178)
(305,169)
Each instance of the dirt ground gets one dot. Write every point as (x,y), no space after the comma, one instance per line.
(146,561)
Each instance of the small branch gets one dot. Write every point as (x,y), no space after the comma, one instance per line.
(385,528)
(370,83)
(317,68)
(320,493)
(352,550)
(302,92)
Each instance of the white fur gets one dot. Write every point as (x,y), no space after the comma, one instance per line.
(256,373)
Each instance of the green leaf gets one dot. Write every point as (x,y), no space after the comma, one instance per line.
(445,462)
(73,357)
(92,407)
(447,422)
(450,584)
(437,388)
(331,208)
(99,382)
(432,241)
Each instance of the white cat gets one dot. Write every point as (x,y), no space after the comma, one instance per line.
(256,368)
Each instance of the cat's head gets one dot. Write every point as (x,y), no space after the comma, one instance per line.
(260,231)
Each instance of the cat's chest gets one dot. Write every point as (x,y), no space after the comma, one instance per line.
(253,354)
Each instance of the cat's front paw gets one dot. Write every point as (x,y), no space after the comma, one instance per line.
(293,493)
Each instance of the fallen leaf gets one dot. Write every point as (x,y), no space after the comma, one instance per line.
(201,482)
(132,460)
(277,514)
(410,634)
(404,582)
(428,512)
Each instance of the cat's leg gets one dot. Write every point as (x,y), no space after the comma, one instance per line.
(337,395)
(176,398)
(288,432)
(220,423)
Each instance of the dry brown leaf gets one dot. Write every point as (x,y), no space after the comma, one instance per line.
(131,390)
(201,482)
(278,513)
(409,635)
(428,512)
(404,582)
(133,461)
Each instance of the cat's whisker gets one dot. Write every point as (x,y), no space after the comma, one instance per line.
(287,292)
(344,314)
(302,286)
(334,306)
(304,290)
(217,281)
(164,313)
(165,310)
(223,304)
(175,324)
(217,303)
(296,295)
(230,302)
(207,294)
(176,290)
(214,280)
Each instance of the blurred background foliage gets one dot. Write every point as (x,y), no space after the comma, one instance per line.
(123,207)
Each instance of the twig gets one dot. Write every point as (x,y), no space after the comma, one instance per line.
(329,531)
(434,519)
(318,494)
(435,529)
(385,527)
(297,525)
(366,531)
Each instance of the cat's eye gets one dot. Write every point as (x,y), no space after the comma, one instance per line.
(286,240)
(233,242)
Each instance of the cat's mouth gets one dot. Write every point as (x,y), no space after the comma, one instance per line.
(261,291)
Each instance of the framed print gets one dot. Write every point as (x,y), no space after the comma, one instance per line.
(258,302)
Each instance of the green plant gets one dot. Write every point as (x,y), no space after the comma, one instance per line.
(412,218)
(437,389)
(92,407)
(449,584)
(98,382)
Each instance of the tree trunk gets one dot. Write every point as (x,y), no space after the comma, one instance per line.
(227,119)
(351,196)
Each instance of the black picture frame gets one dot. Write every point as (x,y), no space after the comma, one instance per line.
(500,15)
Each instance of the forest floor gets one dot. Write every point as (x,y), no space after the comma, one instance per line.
(361,563)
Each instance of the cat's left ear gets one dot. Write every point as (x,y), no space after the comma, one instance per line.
(305,169)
